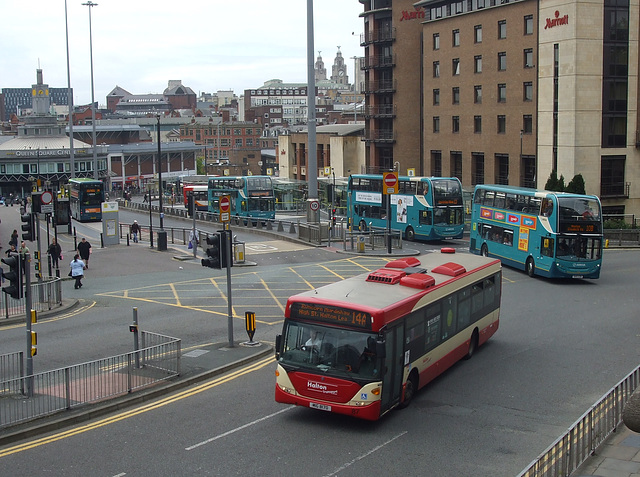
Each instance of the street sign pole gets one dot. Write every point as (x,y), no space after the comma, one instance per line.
(389,187)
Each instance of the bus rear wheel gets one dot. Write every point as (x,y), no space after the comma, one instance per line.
(530,267)
(473,345)
(484,250)
(410,234)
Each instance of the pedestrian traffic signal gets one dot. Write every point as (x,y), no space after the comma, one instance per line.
(213,252)
(13,275)
(28,227)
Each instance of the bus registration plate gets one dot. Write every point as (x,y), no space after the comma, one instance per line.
(322,407)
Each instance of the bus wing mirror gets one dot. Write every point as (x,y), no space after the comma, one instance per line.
(278,343)
(381,349)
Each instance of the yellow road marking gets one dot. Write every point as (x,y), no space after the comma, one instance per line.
(138,410)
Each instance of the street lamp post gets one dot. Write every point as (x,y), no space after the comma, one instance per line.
(93,101)
(69,97)
(162,234)
(521,133)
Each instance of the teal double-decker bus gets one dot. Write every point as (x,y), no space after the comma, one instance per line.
(551,234)
(85,199)
(425,208)
(251,196)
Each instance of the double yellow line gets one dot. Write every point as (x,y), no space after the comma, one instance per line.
(139,410)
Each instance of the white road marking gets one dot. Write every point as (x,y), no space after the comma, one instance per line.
(225,434)
(350,463)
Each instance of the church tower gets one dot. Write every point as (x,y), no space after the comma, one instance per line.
(321,71)
(339,70)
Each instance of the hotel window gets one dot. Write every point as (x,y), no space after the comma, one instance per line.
(528,58)
(477,124)
(528,91)
(477,94)
(528,25)
(455,95)
(436,41)
(502,93)
(477,64)
(456,37)
(456,66)
(436,97)
(527,124)
(502,29)
(502,61)
(436,124)
(455,124)
(436,69)
(477,33)
(502,124)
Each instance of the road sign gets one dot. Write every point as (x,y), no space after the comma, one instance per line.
(315,205)
(46,202)
(225,207)
(390,181)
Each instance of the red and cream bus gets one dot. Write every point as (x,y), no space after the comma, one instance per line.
(365,345)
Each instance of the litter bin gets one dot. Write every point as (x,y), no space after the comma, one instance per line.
(162,240)
(360,245)
(238,252)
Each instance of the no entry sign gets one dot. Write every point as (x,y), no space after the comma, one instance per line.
(390,182)
(224,204)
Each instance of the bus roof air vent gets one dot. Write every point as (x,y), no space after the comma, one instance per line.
(383,275)
(450,269)
(404,262)
(418,280)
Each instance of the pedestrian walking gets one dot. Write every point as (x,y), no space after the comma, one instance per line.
(84,250)
(135,230)
(77,270)
(144,199)
(55,252)
(23,251)
(14,238)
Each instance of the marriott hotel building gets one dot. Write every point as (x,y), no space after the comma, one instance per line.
(503,91)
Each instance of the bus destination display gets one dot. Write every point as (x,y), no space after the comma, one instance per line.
(331,314)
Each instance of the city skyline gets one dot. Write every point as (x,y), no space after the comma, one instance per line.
(228,56)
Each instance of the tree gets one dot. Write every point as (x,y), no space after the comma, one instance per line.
(576,185)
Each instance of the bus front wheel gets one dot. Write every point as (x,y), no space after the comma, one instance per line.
(410,234)
(484,251)
(410,390)
(530,267)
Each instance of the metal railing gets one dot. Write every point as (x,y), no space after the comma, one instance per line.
(45,296)
(581,440)
(26,398)
(11,366)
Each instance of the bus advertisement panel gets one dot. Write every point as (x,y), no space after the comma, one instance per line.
(425,208)
(364,352)
(251,196)
(85,199)
(552,234)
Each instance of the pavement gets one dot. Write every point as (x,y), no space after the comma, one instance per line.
(618,456)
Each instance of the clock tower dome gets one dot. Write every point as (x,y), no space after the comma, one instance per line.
(339,70)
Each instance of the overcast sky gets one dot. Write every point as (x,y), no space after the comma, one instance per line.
(140,45)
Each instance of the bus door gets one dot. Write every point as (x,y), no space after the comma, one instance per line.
(393,367)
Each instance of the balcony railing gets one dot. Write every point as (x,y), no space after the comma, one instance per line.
(380,135)
(381,86)
(384,110)
(378,36)
(378,61)
(615,190)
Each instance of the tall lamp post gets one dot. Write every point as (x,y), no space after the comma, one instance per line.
(93,101)
(162,233)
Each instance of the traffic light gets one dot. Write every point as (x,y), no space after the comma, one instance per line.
(13,275)
(28,227)
(213,252)
(225,238)
(333,217)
